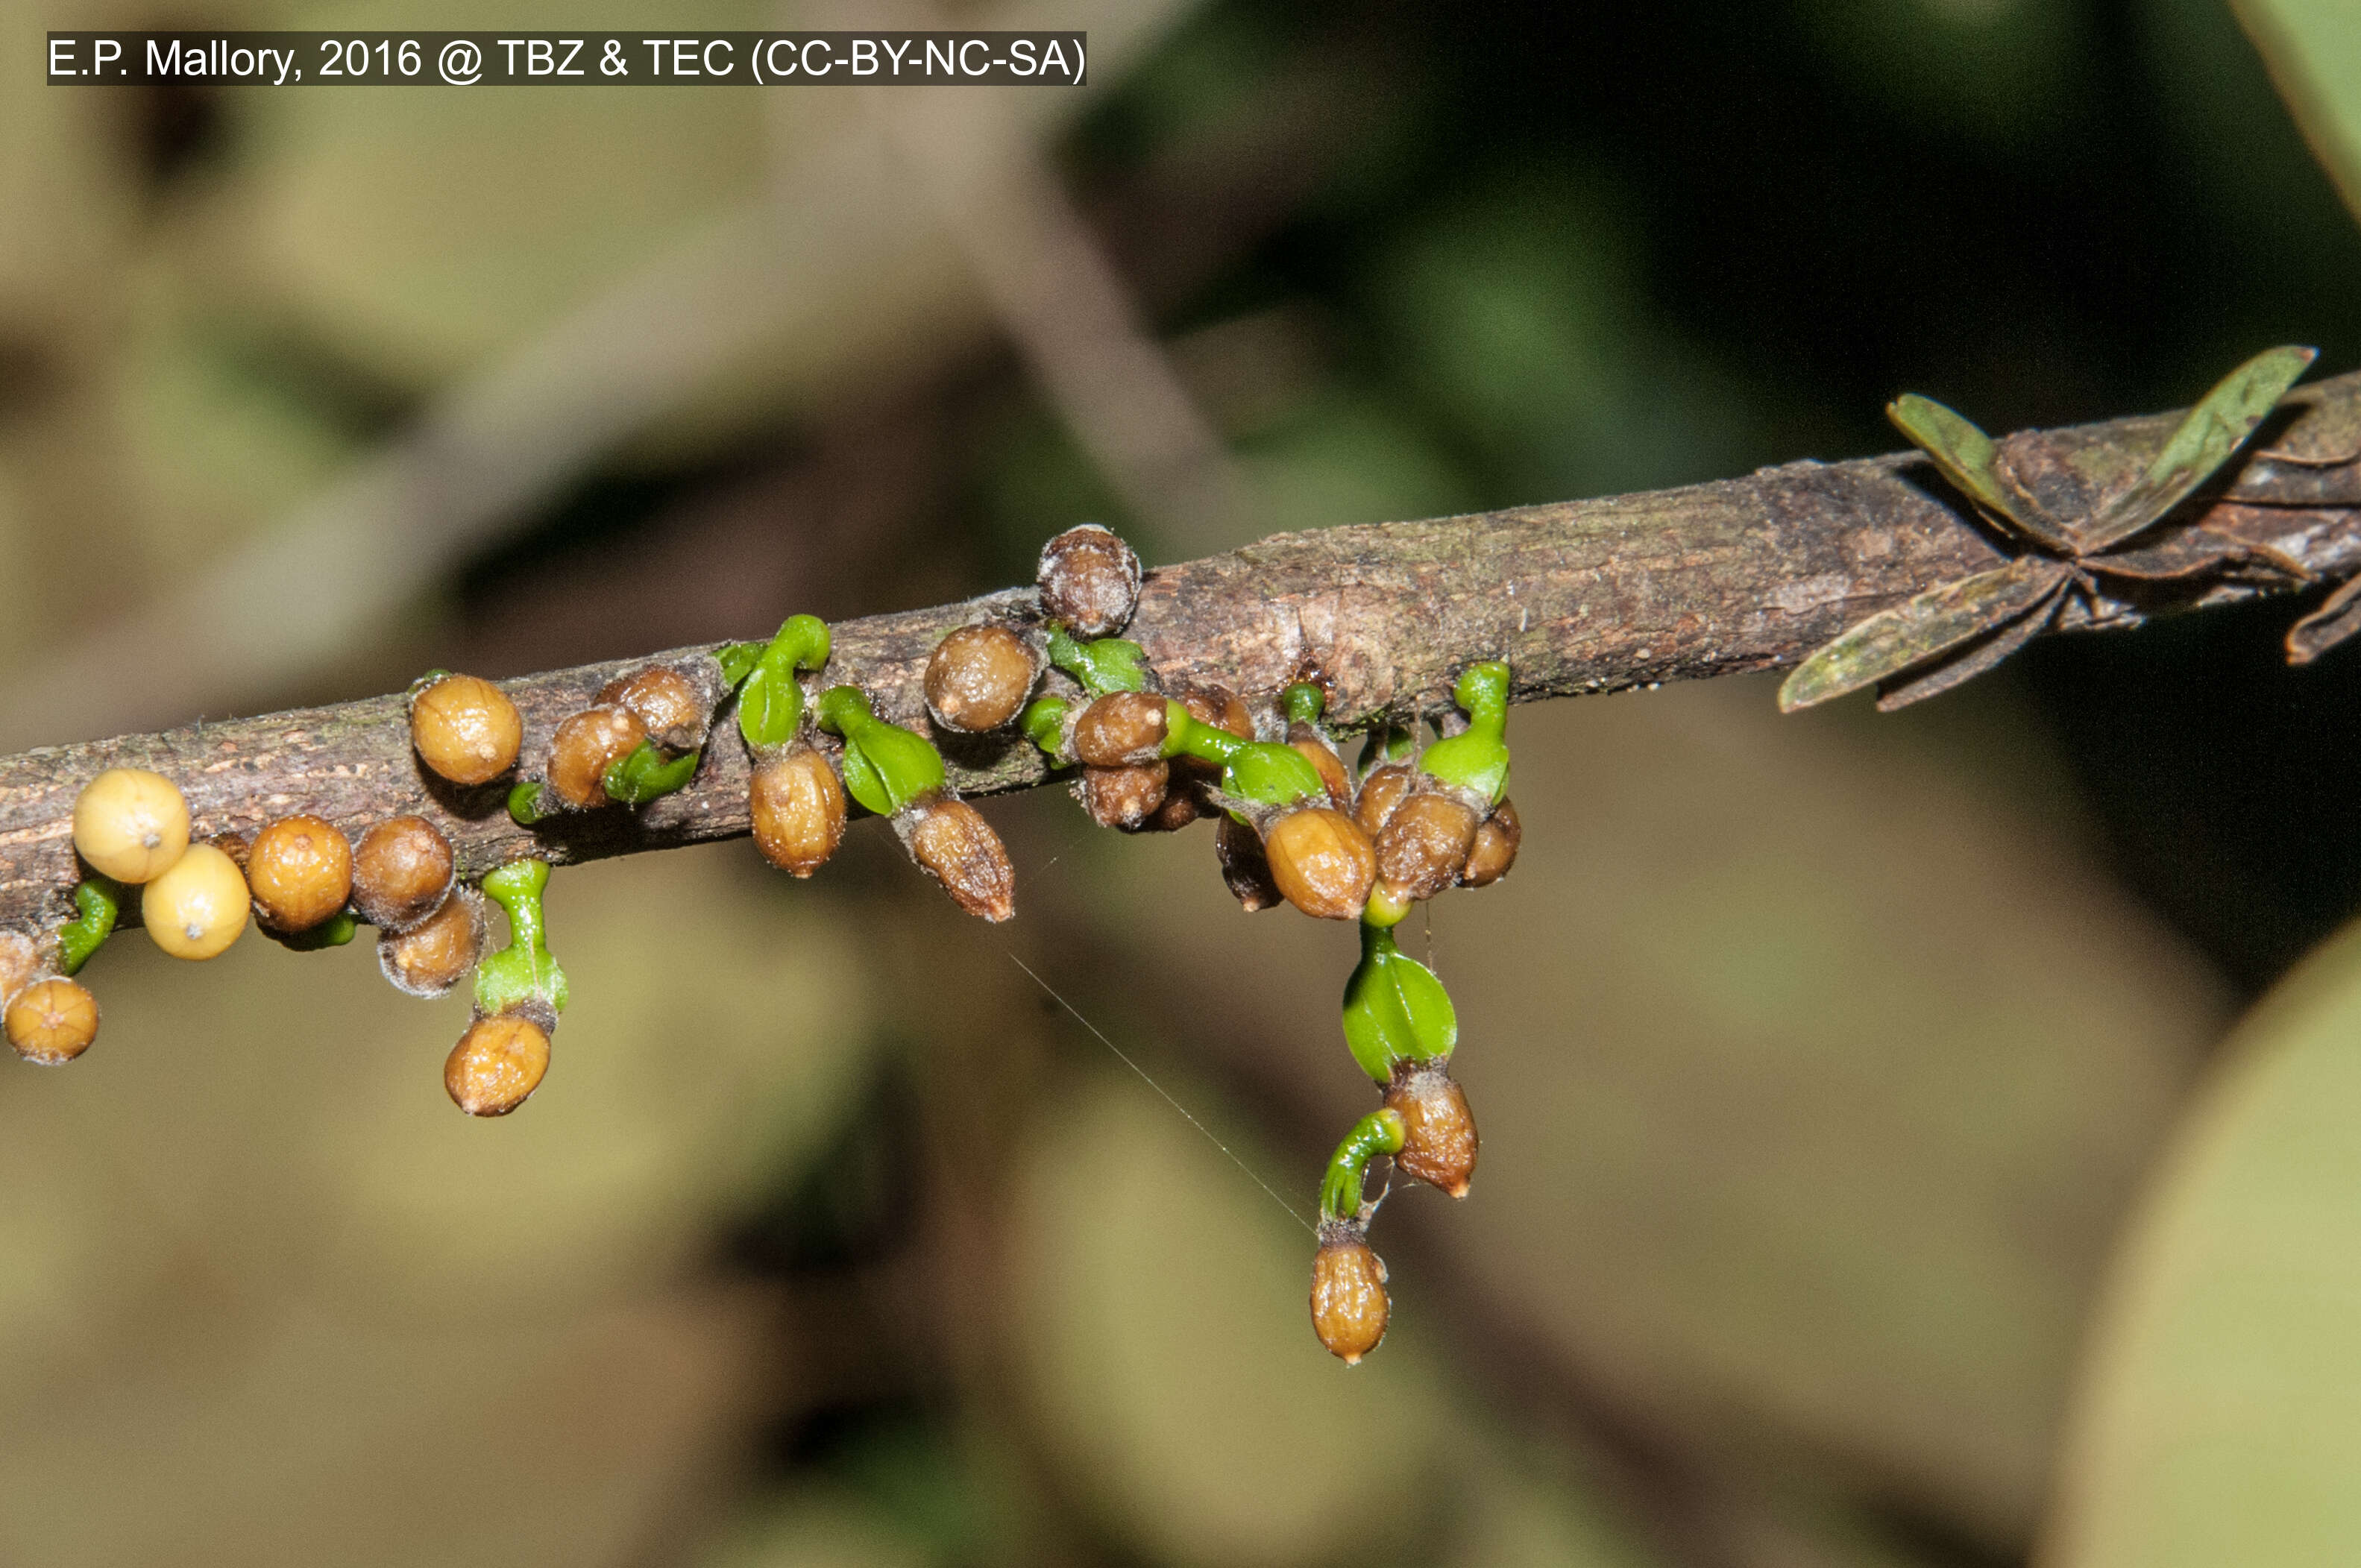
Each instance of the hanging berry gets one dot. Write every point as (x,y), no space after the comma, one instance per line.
(899,776)
(1349,1307)
(464,728)
(519,992)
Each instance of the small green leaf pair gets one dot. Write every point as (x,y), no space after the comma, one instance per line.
(524,970)
(1951,633)
(1395,1010)
(886,768)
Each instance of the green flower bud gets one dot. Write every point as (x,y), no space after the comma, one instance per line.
(524,970)
(1395,1010)
(886,767)
(1478,760)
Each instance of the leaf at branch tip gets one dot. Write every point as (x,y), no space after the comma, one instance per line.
(1973,660)
(1933,623)
(1968,458)
(2336,619)
(2212,430)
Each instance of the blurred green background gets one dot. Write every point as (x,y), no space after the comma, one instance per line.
(1867,1180)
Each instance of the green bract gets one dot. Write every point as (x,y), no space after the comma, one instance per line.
(770,701)
(886,766)
(99,900)
(1379,1132)
(1107,666)
(524,803)
(523,969)
(644,774)
(1043,723)
(333,932)
(1395,1009)
(1261,770)
(1476,760)
(1303,703)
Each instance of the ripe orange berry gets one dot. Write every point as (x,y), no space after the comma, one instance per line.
(1495,849)
(52,1021)
(979,677)
(466,729)
(401,872)
(497,1065)
(199,907)
(585,746)
(300,872)
(1322,861)
(1349,1308)
(798,804)
(130,824)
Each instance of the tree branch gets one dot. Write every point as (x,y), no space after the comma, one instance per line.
(1740,574)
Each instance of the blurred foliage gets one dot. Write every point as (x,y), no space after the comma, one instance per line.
(1818,1060)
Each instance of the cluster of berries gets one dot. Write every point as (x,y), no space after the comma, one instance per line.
(1293,825)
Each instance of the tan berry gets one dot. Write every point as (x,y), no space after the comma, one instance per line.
(1439,1132)
(585,746)
(52,1021)
(1495,850)
(130,824)
(497,1065)
(21,963)
(466,729)
(798,804)
(1322,861)
(1120,729)
(1348,1293)
(1424,844)
(674,710)
(300,872)
(401,872)
(1124,797)
(430,958)
(1381,792)
(979,677)
(1090,581)
(1246,870)
(199,907)
(953,841)
(1323,756)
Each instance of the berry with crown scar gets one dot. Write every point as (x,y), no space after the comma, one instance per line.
(1090,581)
(130,824)
(52,1021)
(900,775)
(497,1064)
(403,870)
(979,677)
(300,869)
(465,728)
(1349,1307)
(798,809)
(430,958)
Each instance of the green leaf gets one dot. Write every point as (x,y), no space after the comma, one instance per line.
(1395,1009)
(2212,430)
(1938,619)
(1968,458)
(2221,1409)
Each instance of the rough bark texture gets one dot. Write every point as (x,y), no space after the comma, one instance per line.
(1745,574)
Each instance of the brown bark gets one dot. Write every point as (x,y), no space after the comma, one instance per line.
(1746,573)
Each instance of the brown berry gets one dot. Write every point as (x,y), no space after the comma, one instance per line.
(1245,868)
(1322,861)
(21,963)
(130,824)
(497,1065)
(430,958)
(1495,850)
(1120,729)
(980,677)
(798,804)
(52,1021)
(1323,756)
(585,746)
(1439,1133)
(1348,1293)
(952,841)
(674,710)
(1124,797)
(300,872)
(401,872)
(466,729)
(1424,844)
(1381,792)
(1090,581)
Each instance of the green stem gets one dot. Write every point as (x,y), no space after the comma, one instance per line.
(771,700)
(1261,770)
(1379,1132)
(1477,758)
(646,774)
(1303,703)
(886,766)
(99,900)
(524,968)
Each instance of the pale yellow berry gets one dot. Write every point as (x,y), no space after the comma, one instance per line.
(199,907)
(130,824)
